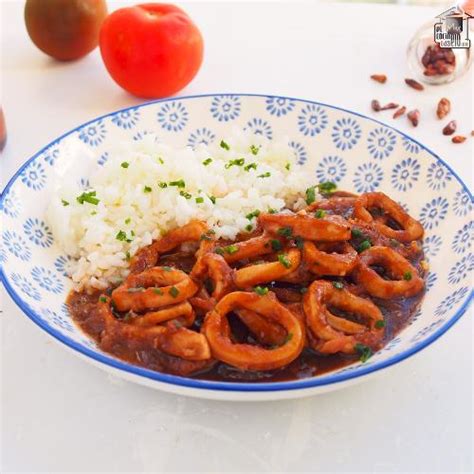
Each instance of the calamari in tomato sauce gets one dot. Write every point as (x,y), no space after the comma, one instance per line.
(305,293)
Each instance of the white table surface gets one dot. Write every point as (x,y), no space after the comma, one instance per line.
(60,414)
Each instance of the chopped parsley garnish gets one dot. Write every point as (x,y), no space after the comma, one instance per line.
(127,256)
(250,166)
(161,160)
(199,200)
(365,352)
(147,189)
(380,324)
(319,214)
(179,183)
(249,227)
(65,203)
(125,164)
(338,285)
(272,210)
(122,236)
(219,251)
(254,149)
(264,175)
(207,161)
(299,242)
(356,233)
(205,237)
(261,290)
(158,291)
(230,249)
(213,199)
(224,145)
(162,185)
(285,232)
(185,194)
(276,245)
(103,299)
(88,197)
(407,276)
(93,213)
(310,195)
(236,162)
(166,268)
(283,259)
(174,292)
(252,214)
(303,290)
(327,187)
(364,245)
(288,166)
(128,220)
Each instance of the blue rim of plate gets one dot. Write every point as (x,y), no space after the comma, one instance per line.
(230,386)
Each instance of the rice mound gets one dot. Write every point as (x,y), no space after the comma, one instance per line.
(147,188)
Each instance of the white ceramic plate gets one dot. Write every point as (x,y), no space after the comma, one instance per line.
(333,144)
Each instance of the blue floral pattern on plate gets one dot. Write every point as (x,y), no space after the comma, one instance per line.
(312,120)
(322,137)
(331,168)
(381,142)
(279,105)
(405,174)
(225,108)
(173,116)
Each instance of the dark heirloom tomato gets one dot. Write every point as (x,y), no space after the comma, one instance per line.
(151,50)
(65,29)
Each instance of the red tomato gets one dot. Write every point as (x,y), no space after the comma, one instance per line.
(151,50)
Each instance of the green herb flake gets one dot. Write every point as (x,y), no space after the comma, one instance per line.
(161,160)
(272,210)
(88,197)
(158,291)
(327,187)
(338,285)
(254,149)
(128,220)
(299,242)
(303,290)
(199,200)
(127,256)
(122,236)
(252,214)
(286,232)
(319,214)
(250,166)
(264,175)
(288,166)
(407,276)
(357,233)
(236,162)
(205,237)
(276,245)
(365,352)
(219,251)
(261,290)
(166,268)
(207,161)
(224,145)
(310,195)
(103,299)
(125,164)
(147,189)
(283,259)
(185,194)
(364,245)
(162,185)
(231,249)
(249,227)
(380,324)
(213,199)
(174,292)
(179,183)
(93,213)
(65,203)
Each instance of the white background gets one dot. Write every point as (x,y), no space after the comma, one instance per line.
(59,414)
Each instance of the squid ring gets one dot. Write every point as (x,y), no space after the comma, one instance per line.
(253,247)
(321,262)
(183,311)
(179,342)
(245,356)
(153,288)
(220,273)
(330,333)
(411,228)
(331,228)
(406,281)
(266,272)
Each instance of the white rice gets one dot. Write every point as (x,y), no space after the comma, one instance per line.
(88,233)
